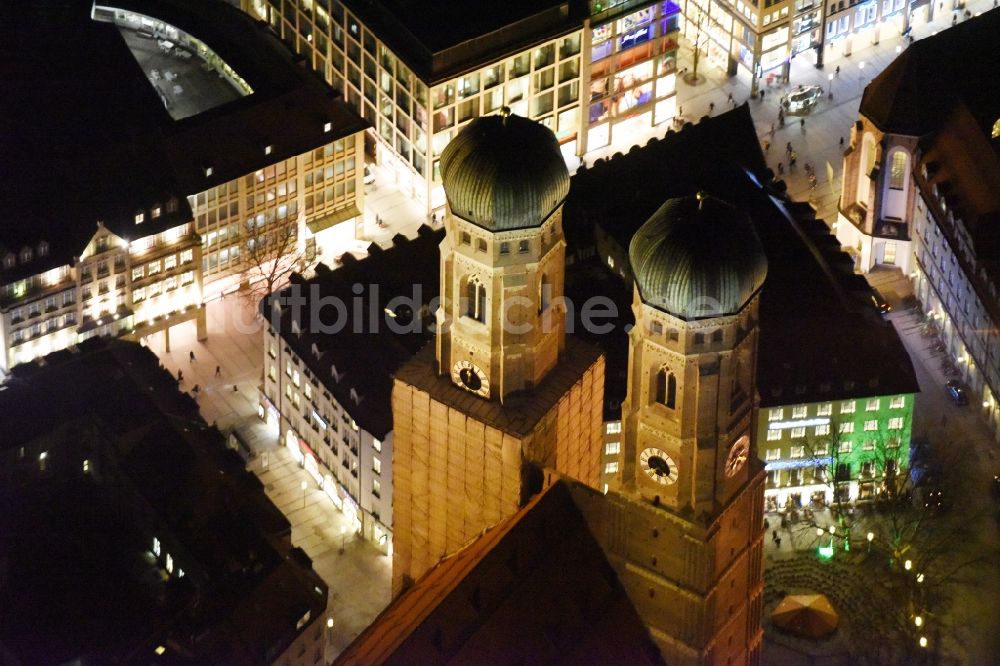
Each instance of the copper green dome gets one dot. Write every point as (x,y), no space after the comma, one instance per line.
(697,257)
(504,172)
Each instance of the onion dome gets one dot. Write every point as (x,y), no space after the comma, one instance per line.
(504,172)
(697,257)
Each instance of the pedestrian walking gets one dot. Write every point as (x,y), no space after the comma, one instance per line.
(802,124)
(778,541)
(774,536)
(235,388)
(196,390)
(762,95)
(788,148)
(837,71)
(730,99)
(767,145)
(711,108)
(781,169)
(791,159)
(191,356)
(841,142)
(772,130)
(218,371)
(180,376)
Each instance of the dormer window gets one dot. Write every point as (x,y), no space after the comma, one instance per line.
(25,255)
(172,205)
(268,149)
(327,127)
(208,171)
(140,218)
(9,261)
(43,249)
(156,212)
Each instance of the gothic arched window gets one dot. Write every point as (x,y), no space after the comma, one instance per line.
(475,300)
(666,388)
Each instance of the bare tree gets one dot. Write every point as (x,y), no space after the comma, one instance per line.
(271,254)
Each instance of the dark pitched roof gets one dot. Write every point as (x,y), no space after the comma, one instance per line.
(957,66)
(367,352)
(537,588)
(86,137)
(809,279)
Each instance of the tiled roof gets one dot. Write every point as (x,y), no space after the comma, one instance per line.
(536,588)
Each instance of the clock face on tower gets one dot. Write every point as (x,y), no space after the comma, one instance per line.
(738,455)
(470,377)
(658,466)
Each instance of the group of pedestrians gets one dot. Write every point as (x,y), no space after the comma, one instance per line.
(196,389)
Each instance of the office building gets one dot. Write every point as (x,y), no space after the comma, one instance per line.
(185,138)
(594,73)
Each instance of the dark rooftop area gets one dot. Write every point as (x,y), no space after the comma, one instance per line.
(367,352)
(810,283)
(102,454)
(925,82)
(86,136)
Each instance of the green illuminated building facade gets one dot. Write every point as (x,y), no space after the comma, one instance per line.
(852,447)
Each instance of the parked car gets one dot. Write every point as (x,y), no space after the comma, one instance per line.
(879,300)
(801,99)
(957,393)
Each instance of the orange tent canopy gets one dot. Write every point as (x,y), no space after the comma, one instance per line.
(809,615)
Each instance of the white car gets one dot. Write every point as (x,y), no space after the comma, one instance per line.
(801,99)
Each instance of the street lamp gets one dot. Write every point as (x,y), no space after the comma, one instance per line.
(908,564)
(870,537)
(920,578)
(923,641)
(918,621)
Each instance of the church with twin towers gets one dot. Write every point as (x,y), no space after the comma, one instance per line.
(506,403)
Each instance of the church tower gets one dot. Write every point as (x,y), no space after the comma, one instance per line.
(501,325)
(686,528)
(504,395)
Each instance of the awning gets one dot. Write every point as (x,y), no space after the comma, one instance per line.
(324,222)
